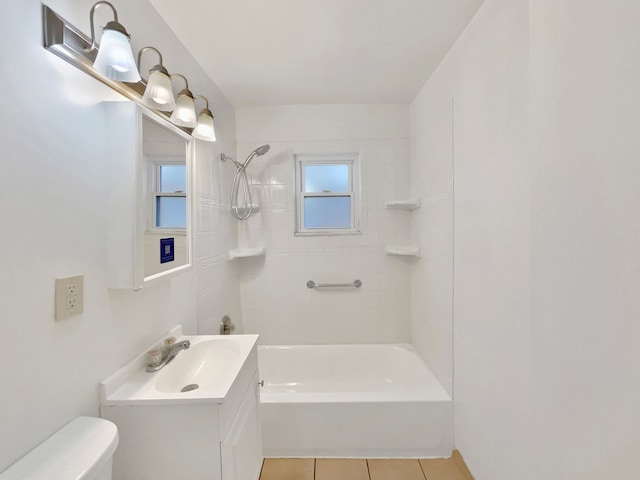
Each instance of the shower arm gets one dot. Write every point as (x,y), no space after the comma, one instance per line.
(224,157)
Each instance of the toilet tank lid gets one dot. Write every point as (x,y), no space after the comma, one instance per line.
(77,451)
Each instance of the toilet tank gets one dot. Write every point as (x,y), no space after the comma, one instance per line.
(81,450)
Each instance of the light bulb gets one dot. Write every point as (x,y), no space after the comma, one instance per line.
(184,115)
(158,94)
(115,58)
(204,130)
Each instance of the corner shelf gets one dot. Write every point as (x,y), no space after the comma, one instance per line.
(246,252)
(410,204)
(403,250)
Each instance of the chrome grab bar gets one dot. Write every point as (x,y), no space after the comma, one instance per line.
(356,284)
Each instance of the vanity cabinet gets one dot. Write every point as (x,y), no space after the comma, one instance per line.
(199,439)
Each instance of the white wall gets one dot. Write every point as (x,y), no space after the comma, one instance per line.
(585,226)
(52,195)
(545,236)
(275,300)
(485,77)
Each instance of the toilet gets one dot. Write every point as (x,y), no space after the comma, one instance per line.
(81,450)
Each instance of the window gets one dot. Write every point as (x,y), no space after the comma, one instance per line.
(169,195)
(327,188)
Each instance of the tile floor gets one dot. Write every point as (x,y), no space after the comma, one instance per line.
(361,469)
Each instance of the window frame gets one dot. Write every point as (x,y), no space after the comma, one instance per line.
(155,165)
(349,159)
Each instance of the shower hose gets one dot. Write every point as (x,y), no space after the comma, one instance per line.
(241,211)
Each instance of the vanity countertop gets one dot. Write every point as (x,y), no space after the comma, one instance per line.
(204,373)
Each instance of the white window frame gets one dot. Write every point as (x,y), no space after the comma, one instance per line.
(349,159)
(154,178)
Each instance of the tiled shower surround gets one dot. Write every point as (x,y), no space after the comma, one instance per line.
(276,302)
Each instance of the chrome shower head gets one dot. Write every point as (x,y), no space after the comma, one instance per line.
(262,150)
(257,152)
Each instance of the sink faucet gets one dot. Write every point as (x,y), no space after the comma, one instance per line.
(171,354)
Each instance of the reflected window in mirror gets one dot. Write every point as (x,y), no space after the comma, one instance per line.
(170,195)
(167,199)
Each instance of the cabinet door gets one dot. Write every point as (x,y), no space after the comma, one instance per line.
(242,449)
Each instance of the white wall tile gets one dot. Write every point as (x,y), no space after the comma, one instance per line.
(291,261)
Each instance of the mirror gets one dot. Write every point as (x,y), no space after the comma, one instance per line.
(166,193)
(150,196)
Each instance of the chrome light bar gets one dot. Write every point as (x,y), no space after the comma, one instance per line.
(70,44)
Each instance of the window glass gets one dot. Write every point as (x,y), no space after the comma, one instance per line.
(171,212)
(326,178)
(327,212)
(173,178)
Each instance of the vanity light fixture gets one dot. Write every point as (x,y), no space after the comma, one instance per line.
(118,70)
(115,58)
(158,94)
(204,129)
(184,115)
(69,43)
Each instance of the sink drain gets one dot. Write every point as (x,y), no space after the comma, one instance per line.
(188,388)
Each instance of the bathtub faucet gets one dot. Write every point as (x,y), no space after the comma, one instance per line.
(174,350)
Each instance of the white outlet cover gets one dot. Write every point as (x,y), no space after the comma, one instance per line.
(69,296)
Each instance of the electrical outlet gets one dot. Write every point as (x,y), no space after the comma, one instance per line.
(69,296)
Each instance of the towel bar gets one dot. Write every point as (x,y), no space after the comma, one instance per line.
(356,284)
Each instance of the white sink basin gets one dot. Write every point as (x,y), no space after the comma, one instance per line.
(203,373)
(199,366)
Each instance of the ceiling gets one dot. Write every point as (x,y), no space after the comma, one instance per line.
(283,52)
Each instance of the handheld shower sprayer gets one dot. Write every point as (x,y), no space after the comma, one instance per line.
(242,210)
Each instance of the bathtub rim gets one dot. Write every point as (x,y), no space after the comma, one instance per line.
(433,391)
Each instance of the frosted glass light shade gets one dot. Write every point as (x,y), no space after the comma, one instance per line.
(115,58)
(184,115)
(204,130)
(158,93)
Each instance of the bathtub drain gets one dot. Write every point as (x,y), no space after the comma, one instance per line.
(188,388)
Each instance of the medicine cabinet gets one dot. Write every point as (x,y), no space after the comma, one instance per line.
(149,202)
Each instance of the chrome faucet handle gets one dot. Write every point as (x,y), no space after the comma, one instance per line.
(171,353)
(154,358)
(226,326)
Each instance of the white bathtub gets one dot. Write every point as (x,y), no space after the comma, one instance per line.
(352,401)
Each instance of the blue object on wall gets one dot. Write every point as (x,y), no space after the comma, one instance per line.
(166,250)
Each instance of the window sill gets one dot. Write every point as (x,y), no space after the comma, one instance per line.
(327,233)
(167,231)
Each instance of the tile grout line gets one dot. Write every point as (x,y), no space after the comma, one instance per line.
(366,460)
(315,466)
(422,470)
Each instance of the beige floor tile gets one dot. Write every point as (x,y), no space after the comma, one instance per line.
(288,469)
(341,469)
(462,466)
(383,469)
(441,469)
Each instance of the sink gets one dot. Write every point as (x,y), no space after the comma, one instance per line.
(203,373)
(197,417)
(197,367)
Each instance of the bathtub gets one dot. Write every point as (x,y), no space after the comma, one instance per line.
(367,401)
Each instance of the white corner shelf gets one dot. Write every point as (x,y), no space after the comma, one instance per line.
(403,250)
(246,252)
(410,204)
